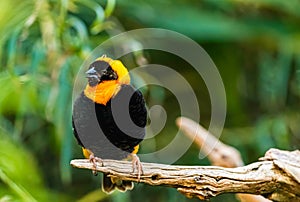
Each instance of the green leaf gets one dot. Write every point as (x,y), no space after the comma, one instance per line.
(18,169)
(12,17)
(97,24)
(110,6)
(63,121)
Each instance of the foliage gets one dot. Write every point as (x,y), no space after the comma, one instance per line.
(255,45)
(43,44)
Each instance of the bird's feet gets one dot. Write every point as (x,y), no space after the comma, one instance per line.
(136,165)
(94,160)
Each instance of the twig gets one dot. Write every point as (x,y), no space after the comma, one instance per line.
(218,153)
(264,178)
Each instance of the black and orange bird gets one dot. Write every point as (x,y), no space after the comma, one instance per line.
(109,118)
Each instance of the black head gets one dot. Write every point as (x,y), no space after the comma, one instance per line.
(100,71)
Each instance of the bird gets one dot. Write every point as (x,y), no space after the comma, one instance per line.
(109,118)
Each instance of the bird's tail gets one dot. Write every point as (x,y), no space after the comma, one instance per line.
(109,184)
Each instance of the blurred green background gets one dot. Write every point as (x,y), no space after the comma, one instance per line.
(255,45)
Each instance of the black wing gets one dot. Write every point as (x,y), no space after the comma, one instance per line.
(124,118)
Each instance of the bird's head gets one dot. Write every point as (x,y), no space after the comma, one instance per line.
(106,69)
(105,76)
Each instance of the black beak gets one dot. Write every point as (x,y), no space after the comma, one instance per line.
(91,73)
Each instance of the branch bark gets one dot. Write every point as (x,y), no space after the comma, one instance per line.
(271,177)
(218,153)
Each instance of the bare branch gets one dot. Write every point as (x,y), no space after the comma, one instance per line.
(263,178)
(217,152)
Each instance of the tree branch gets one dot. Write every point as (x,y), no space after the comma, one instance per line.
(218,153)
(271,177)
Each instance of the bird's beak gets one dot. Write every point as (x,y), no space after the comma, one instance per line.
(91,73)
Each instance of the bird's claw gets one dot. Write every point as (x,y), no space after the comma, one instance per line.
(94,160)
(136,165)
